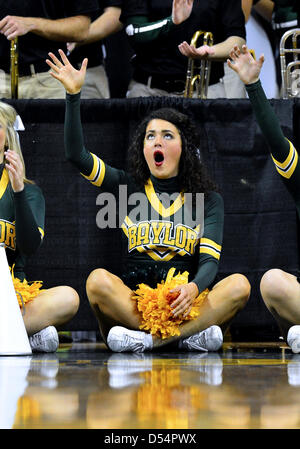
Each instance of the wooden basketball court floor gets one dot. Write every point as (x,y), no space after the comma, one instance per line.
(85,386)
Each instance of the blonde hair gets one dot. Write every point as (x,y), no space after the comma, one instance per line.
(8,117)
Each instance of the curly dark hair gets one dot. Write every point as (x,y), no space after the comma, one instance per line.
(192,175)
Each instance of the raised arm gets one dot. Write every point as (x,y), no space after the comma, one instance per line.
(248,69)
(284,154)
(140,30)
(89,165)
(72,80)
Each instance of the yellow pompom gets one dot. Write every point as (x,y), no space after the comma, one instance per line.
(155,309)
(28,290)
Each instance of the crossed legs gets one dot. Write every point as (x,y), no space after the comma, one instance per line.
(112,304)
(51,307)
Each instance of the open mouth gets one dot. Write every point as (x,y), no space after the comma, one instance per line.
(158,158)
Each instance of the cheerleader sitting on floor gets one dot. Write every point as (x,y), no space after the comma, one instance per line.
(280,290)
(167,292)
(22,215)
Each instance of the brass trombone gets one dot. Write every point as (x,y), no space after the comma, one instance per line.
(290,74)
(14,73)
(198,72)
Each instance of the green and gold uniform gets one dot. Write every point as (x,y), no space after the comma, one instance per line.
(153,245)
(22,217)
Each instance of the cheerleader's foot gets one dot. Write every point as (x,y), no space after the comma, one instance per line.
(211,339)
(120,339)
(293,339)
(45,340)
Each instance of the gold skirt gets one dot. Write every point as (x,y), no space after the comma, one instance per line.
(155,309)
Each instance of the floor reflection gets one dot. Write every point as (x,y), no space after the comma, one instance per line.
(13,383)
(90,388)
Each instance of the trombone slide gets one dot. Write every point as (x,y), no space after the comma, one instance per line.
(14,73)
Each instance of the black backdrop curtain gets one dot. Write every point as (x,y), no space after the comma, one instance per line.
(260,218)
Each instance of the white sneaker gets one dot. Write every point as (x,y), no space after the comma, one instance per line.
(293,338)
(120,339)
(45,340)
(211,339)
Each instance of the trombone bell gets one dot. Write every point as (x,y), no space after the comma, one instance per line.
(290,73)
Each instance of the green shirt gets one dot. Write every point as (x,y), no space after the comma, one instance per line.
(284,12)
(22,217)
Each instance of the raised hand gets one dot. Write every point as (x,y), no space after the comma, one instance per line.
(245,65)
(15,169)
(62,70)
(181,10)
(203,52)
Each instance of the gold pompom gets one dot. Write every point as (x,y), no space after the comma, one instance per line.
(154,305)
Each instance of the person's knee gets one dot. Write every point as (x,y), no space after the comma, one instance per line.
(273,286)
(99,286)
(240,289)
(63,305)
(70,301)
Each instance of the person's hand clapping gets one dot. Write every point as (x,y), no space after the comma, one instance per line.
(62,70)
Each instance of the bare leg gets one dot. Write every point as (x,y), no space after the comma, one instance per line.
(51,307)
(112,304)
(111,301)
(223,302)
(281,294)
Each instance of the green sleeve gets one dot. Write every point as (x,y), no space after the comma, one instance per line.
(140,31)
(75,151)
(211,241)
(268,122)
(30,218)
(283,152)
(89,164)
